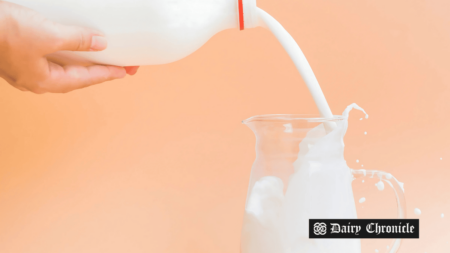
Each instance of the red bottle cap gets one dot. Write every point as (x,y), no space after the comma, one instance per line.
(241,14)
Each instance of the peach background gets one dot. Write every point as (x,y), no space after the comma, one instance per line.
(159,162)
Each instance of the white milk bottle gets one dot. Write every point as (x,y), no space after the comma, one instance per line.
(147,32)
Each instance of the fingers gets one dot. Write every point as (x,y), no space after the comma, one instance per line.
(132,70)
(50,77)
(68,78)
(74,38)
(32,29)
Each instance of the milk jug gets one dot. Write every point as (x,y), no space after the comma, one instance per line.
(299,174)
(146,32)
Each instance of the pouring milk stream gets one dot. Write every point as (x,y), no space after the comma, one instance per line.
(151,32)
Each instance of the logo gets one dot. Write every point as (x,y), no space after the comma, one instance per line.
(320,228)
(364,228)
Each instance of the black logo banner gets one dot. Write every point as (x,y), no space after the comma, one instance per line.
(363,228)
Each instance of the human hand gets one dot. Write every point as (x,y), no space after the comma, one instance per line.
(26,37)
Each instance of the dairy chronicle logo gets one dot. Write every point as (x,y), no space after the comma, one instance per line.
(320,228)
(363,228)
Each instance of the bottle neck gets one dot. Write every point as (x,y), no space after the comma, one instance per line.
(248,16)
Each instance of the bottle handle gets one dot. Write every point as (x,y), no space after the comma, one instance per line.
(399,193)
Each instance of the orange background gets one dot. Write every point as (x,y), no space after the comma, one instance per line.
(160,162)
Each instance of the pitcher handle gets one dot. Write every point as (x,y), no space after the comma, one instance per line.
(399,193)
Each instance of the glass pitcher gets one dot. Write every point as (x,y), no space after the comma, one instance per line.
(299,174)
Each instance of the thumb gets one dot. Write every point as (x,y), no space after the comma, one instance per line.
(74,38)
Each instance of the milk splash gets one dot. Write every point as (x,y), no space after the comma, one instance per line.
(320,187)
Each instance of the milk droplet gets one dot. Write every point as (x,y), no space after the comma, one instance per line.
(417,211)
(288,128)
(360,119)
(363,180)
(362,165)
(441,158)
(380,185)
(365,133)
(376,251)
(442,215)
(357,161)
(387,247)
(389,176)
(362,200)
(367,116)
